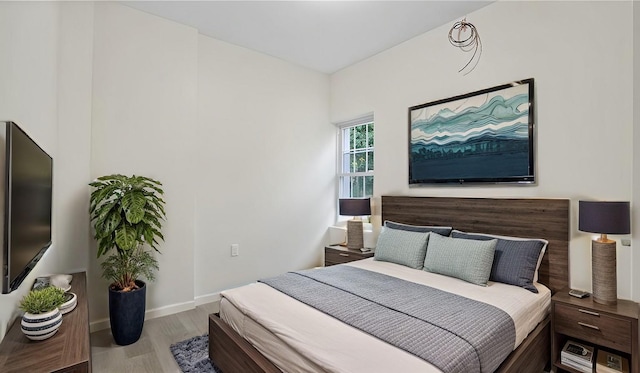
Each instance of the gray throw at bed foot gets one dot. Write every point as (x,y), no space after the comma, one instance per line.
(192,355)
(454,333)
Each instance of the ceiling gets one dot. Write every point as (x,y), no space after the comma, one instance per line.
(325,36)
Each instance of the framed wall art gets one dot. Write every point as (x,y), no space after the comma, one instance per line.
(479,137)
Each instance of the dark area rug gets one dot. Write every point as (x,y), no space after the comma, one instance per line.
(192,355)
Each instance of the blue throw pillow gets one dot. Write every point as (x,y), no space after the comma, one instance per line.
(516,260)
(402,247)
(468,260)
(443,231)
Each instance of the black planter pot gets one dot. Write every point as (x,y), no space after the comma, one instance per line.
(126,314)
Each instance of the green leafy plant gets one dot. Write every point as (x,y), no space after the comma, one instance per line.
(127,212)
(42,300)
(139,263)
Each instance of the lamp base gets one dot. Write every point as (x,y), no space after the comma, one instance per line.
(603,272)
(355,239)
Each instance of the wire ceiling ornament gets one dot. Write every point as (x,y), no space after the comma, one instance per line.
(465,36)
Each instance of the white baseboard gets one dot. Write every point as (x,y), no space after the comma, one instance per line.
(149,314)
(162,311)
(99,325)
(209,298)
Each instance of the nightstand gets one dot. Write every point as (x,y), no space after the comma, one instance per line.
(613,328)
(336,254)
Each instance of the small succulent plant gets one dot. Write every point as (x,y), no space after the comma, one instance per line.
(42,300)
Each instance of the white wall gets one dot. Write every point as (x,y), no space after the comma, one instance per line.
(44,89)
(241,141)
(73,161)
(28,40)
(117,90)
(144,123)
(580,54)
(265,167)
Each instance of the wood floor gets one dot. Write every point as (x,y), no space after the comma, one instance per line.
(151,353)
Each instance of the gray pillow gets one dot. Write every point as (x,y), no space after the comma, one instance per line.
(516,260)
(443,231)
(402,247)
(468,260)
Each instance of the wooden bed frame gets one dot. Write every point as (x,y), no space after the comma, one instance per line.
(534,218)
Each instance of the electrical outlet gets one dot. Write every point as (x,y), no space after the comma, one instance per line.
(235,249)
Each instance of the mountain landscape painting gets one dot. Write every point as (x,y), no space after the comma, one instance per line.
(484,136)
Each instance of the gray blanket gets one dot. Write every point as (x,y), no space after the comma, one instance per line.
(454,333)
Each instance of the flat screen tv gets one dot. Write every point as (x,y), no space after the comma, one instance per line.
(479,137)
(27,206)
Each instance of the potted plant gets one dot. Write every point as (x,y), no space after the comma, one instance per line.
(127,214)
(42,318)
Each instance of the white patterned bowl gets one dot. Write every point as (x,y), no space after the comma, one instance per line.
(41,326)
(70,304)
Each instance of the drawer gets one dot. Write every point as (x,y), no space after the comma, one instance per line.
(595,327)
(332,256)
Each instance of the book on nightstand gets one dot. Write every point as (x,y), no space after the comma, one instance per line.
(607,362)
(577,356)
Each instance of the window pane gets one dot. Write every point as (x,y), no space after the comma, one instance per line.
(345,139)
(352,138)
(360,161)
(368,186)
(357,186)
(356,152)
(361,137)
(346,162)
(345,187)
(352,162)
(352,186)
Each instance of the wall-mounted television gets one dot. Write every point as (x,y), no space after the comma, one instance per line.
(479,137)
(27,206)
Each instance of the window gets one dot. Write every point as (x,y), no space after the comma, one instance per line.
(356,158)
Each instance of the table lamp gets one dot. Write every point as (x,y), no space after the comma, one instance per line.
(604,218)
(355,207)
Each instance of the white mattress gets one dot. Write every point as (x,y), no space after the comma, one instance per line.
(298,338)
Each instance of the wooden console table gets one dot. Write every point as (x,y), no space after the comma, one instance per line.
(69,350)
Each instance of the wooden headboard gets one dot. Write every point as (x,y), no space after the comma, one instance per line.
(531,218)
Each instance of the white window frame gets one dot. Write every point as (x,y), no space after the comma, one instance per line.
(344,177)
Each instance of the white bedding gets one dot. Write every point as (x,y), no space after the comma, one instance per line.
(298,338)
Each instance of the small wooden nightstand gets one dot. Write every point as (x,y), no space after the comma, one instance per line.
(339,254)
(613,328)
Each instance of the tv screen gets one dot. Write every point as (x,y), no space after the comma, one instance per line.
(28,198)
(479,137)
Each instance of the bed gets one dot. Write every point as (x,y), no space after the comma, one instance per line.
(535,218)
